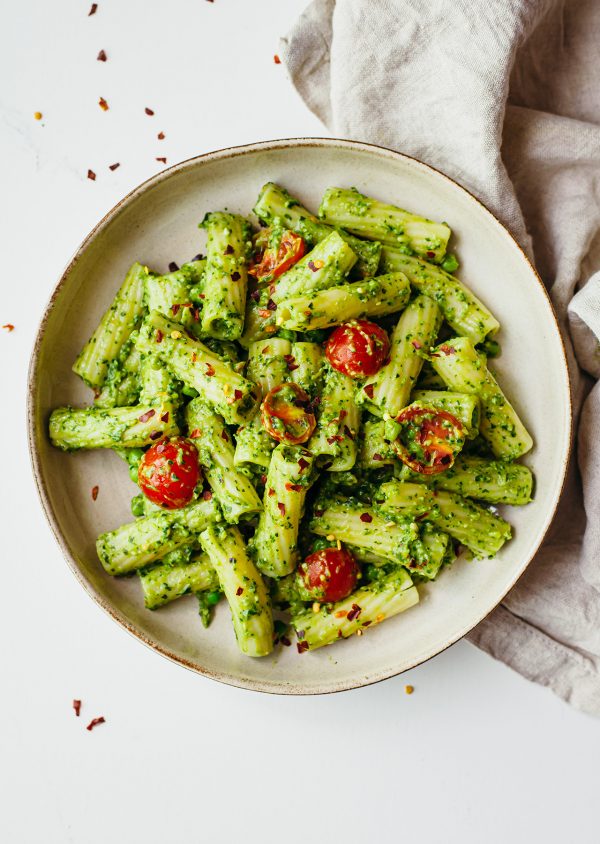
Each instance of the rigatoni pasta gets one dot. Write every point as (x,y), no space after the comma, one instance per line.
(309,416)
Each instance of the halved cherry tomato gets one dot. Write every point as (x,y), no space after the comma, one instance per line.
(169,472)
(286,414)
(278,251)
(357,348)
(429,439)
(330,574)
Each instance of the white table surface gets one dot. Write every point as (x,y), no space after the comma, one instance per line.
(476,754)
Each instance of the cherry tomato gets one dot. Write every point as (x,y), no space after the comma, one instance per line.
(277,252)
(357,348)
(286,414)
(429,439)
(330,574)
(168,472)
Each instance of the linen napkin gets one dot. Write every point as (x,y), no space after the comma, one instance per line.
(504,96)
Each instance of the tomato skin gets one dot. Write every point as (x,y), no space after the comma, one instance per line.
(286,416)
(169,472)
(330,575)
(436,433)
(273,262)
(357,348)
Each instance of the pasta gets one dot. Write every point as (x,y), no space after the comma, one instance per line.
(310,418)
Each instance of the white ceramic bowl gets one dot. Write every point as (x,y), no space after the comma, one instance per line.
(157,223)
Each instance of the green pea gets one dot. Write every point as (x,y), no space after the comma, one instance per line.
(450,263)
(212,598)
(133,473)
(137,505)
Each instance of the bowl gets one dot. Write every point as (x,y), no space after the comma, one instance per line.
(157,223)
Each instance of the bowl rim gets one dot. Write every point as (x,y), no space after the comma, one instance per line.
(32,378)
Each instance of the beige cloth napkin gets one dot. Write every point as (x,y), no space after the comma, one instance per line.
(503,95)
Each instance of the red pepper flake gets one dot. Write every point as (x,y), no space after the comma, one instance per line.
(235,276)
(195,433)
(354,612)
(206,495)
(237,394)
(285,641)
(9,327)
(165,417)
(93,9)
(173,267)
(103,104)
(377,457)
(161,136)
(175,309)
(348,432)
(224,436)
(294,487)
(95,491)
(146,416)
(77,707)
(319,513)
(281,507)
(366,517)
(271,306)
(194,357)
(255,295)
(303,464)
(195,312)
(366,623)
(95,721)
(91,175)
(276,59)
(431,254)
(149,112)
(114,166)
(159,336)
(416,344)
(302,646)
(263,479)
(369,390)
(161,159)
(312,267)
(210,370)
(290,362)
(229,249)
(447,350)
(335,439)
(155,435)
(343,414)
(271,491)
(101,57)
(239,590)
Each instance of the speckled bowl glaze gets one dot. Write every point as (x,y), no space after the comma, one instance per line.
(157,223)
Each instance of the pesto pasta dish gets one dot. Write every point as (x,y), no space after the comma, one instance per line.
(310,416)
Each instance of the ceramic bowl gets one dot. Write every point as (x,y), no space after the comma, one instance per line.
(158,223)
